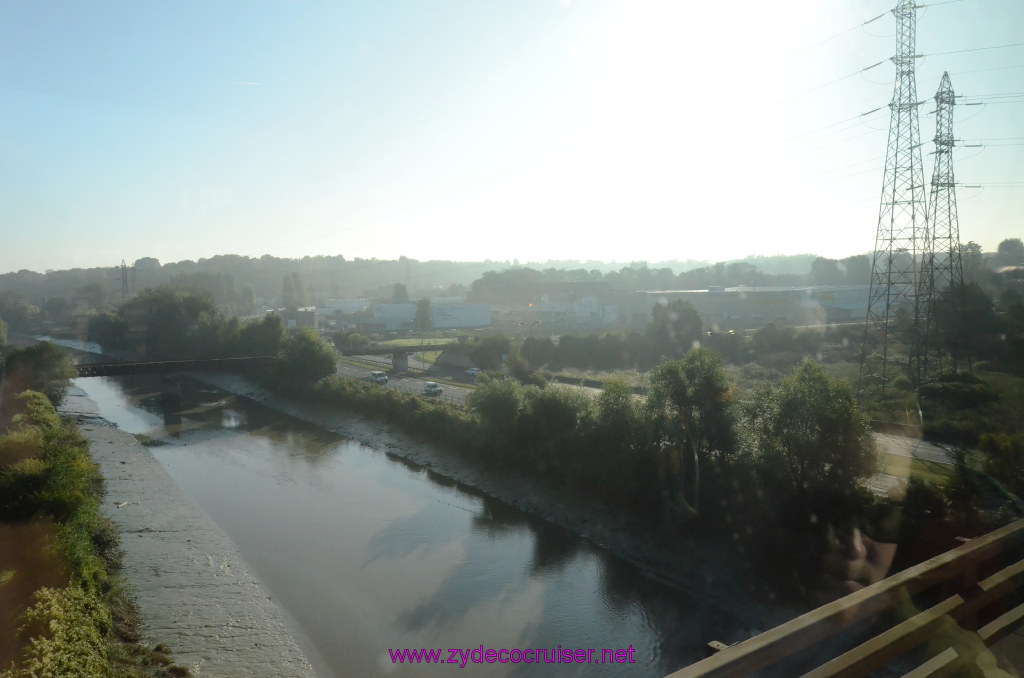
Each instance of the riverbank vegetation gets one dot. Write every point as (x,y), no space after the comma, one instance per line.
(687,460)
(770,474)
(64,612)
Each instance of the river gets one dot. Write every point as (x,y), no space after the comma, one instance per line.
(369,553)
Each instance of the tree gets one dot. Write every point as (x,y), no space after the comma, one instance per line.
(809,438)
(1004,458)
(422,322)
(58,310)
(400,294)
(693,399)
(965,320)
(95,294)
(972,262)
(109,330)
(1010,252)
(301,298)
(305,359)
(169,323)
(42,367)
(261,337)
(538,351)
(19,314)
(675,328)
(576,351)
(497,402)
(619,433)
(3,333)
(487,353)
(248,299)
(689,402)
(289,299)
(825,272)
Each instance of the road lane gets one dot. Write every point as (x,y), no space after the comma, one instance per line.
(912,447)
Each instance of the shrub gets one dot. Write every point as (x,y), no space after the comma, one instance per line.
(304,360)
(67,628)
(20,485)
(42,367)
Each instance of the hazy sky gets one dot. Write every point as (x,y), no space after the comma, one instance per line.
(460,129)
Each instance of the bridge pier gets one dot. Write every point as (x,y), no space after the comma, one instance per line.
(400,361)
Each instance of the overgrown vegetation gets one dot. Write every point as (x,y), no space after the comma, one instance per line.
(88,626)
(688,450)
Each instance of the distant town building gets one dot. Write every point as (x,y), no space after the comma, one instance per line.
(297,319)
(444,315)
(747,307)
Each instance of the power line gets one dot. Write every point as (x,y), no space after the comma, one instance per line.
(841,33)
(986,70)
(841,78)
(975,49)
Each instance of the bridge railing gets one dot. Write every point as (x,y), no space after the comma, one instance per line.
(113,369)
(971,598)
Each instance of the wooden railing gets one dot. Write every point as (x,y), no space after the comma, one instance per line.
(971,595)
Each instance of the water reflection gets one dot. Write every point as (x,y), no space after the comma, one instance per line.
(369,551)
(170,401)
(185,405)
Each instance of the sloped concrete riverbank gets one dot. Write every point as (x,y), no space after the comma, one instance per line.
(193,589)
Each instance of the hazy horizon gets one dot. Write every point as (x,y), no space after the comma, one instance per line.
(680,264)
(535,130)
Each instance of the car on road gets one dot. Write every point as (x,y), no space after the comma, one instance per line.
(432,388)
(473,372)
(378,377)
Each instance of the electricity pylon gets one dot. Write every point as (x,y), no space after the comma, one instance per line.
(897,303)
(945,273)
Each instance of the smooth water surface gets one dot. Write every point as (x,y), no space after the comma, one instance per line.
(368,552)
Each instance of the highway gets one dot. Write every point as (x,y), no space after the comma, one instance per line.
(912,447)
(359,367)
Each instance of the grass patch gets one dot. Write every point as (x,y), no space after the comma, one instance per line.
(428,356)
(910,467)
(632,378)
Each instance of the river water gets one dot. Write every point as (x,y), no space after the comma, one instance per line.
(370,553)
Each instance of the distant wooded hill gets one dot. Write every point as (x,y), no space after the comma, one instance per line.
(242,283)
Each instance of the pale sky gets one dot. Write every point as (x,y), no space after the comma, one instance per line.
(532,129)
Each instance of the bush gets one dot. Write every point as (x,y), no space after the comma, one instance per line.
(20,486)
(958,390)
(42,367)
(67,628)
(1004,459)
(304,360)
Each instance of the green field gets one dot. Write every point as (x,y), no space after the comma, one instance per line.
(905,467)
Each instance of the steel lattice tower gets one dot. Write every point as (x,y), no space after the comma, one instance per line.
(897,304)
(945,273)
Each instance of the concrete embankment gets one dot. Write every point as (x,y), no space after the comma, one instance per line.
(193,589)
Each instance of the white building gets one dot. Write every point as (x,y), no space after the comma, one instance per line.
(444,315)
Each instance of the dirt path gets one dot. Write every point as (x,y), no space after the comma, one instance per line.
(193,590)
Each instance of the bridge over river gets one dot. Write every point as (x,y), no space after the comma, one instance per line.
(116,369)
(399,360)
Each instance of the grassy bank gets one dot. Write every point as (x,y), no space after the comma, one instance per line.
(66,612)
